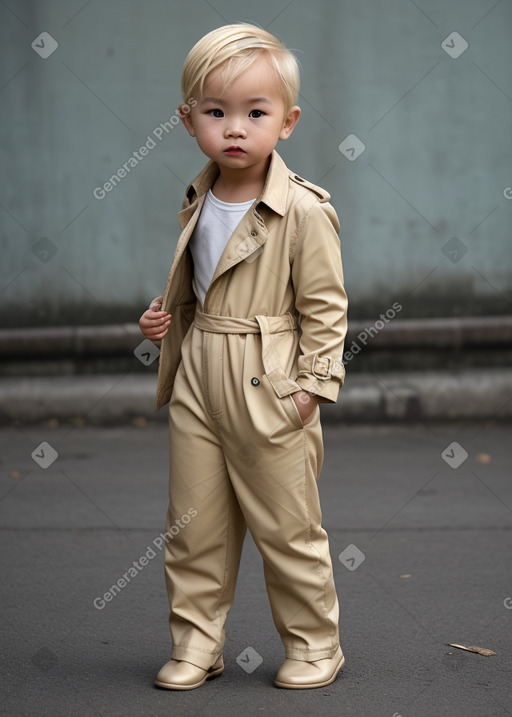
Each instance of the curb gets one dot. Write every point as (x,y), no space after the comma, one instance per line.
(119,339)
(408,396)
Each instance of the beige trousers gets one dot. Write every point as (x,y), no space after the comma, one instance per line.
(241,458)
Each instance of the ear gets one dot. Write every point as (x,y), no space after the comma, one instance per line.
(290,120)
(186,117)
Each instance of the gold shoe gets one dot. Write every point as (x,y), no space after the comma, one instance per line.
(182,675)
(300,675)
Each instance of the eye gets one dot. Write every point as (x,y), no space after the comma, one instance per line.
(256,114)
(216,113)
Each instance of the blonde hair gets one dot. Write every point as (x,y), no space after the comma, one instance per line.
(236,47)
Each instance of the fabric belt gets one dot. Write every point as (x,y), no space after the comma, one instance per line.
(261,324)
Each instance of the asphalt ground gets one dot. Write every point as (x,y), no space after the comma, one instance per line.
(425,544)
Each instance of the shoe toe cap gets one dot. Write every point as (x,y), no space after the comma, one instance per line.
(178,672)
(299,673)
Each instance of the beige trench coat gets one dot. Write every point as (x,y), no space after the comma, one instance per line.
(283,260)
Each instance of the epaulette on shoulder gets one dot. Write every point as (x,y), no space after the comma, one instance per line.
(320,193)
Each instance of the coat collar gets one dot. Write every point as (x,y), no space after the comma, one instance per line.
(275,190)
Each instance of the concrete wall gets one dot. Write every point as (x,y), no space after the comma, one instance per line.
(425,210)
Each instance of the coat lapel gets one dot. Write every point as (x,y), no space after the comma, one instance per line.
(252,232)
(250,235)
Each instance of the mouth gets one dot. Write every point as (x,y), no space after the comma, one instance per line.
(234,150)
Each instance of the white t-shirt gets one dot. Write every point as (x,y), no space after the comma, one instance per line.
(217,222)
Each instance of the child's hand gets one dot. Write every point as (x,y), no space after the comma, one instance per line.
(306,404)
(154,323)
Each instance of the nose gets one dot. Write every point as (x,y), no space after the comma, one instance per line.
(235,129)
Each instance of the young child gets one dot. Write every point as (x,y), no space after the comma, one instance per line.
(252,324)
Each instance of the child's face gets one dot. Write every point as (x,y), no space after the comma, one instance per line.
(240,127)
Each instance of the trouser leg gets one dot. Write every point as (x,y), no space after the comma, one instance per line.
(275,480)
(202,557)
(282,511)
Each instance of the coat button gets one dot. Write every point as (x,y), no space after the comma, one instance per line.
(255,381)
(254,233)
